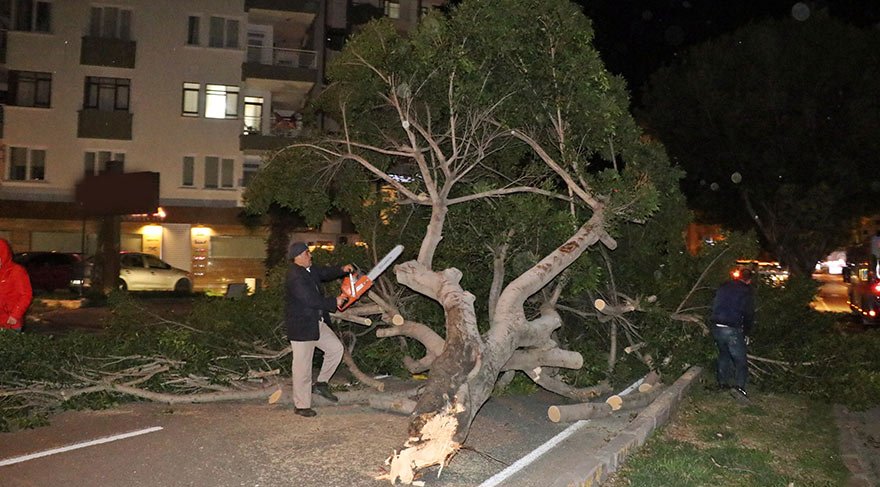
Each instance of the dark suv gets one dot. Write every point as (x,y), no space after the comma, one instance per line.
(48,271)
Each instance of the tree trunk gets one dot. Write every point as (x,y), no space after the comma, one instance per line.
(463,376)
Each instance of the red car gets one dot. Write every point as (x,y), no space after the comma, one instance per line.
(48,271)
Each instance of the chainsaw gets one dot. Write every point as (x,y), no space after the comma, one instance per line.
(354,286)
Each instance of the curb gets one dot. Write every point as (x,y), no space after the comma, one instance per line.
(596,468)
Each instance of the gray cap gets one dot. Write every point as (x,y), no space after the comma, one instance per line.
(295,249)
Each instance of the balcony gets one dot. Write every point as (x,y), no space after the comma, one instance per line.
(99,124)
(277,63)
(305,6)
(285,130)
(101,51)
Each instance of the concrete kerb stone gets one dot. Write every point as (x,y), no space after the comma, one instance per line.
(609,458)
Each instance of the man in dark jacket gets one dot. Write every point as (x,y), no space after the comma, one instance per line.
(307,316)
(733,314)
(15,290)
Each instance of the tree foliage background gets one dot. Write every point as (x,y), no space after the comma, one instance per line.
(775,126)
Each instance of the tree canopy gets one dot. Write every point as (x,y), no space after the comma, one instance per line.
(775,126)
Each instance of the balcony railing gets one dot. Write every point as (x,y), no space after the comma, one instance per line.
(281,56)
(278,133)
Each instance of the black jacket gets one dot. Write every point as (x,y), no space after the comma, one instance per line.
(734,305)
(305,303)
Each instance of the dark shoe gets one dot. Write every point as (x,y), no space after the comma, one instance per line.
(740,395)
(323,389)
(307,412)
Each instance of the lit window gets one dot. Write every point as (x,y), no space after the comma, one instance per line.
(253,114)
(223,32)
(191,99)
(107,94)
(189,169)
(26,164)
(33,16)
(392,10)
(192,31)
(29,89)
(221,101)
(110,23)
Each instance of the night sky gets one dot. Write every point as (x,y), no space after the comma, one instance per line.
(635,37)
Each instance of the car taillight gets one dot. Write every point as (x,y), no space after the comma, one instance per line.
(876,288)
(735,273)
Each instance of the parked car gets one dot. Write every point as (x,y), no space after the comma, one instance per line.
(48,271)
(139,272)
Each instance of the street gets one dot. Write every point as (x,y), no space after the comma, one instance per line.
(832,296)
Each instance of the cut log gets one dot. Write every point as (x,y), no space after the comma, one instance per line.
(401,405)
(397,320)
(650,380)
(633,348)
(615,402)
(587,410)
(275,396)
(360,320)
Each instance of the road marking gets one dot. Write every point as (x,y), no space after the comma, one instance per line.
(76,446)
(537,452)
(552,442)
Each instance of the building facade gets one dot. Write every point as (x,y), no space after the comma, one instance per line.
(199,91)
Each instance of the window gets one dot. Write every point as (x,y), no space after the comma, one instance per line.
(29,89)
(253,114)
(392,10)
(226,169)
(192,31)
(154,262)
(189,171)
(211,171)
(249,171)
(221,101)
(219,172)
(110,23)
(33,16)
(223,32)
(107,94)
(26,164)
(95,162)
(191,99)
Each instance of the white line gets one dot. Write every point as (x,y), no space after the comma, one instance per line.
(537,452)
(75,446)
(632,387)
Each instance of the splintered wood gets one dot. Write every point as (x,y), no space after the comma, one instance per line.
(434,447)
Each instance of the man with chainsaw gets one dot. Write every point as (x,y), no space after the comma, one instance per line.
(733,314)
(307,316)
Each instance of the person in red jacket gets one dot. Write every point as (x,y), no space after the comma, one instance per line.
(15,290)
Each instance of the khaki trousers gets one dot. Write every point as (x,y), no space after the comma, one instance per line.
(302,353)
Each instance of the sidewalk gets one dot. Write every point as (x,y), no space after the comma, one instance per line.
(860,444)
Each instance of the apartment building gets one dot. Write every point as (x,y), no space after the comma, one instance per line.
(199,91)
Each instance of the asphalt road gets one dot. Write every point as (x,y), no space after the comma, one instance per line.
(255,444)
(832,294)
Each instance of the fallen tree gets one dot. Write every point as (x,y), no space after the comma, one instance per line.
(503,104)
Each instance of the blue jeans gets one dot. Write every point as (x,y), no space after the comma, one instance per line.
(732,368)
